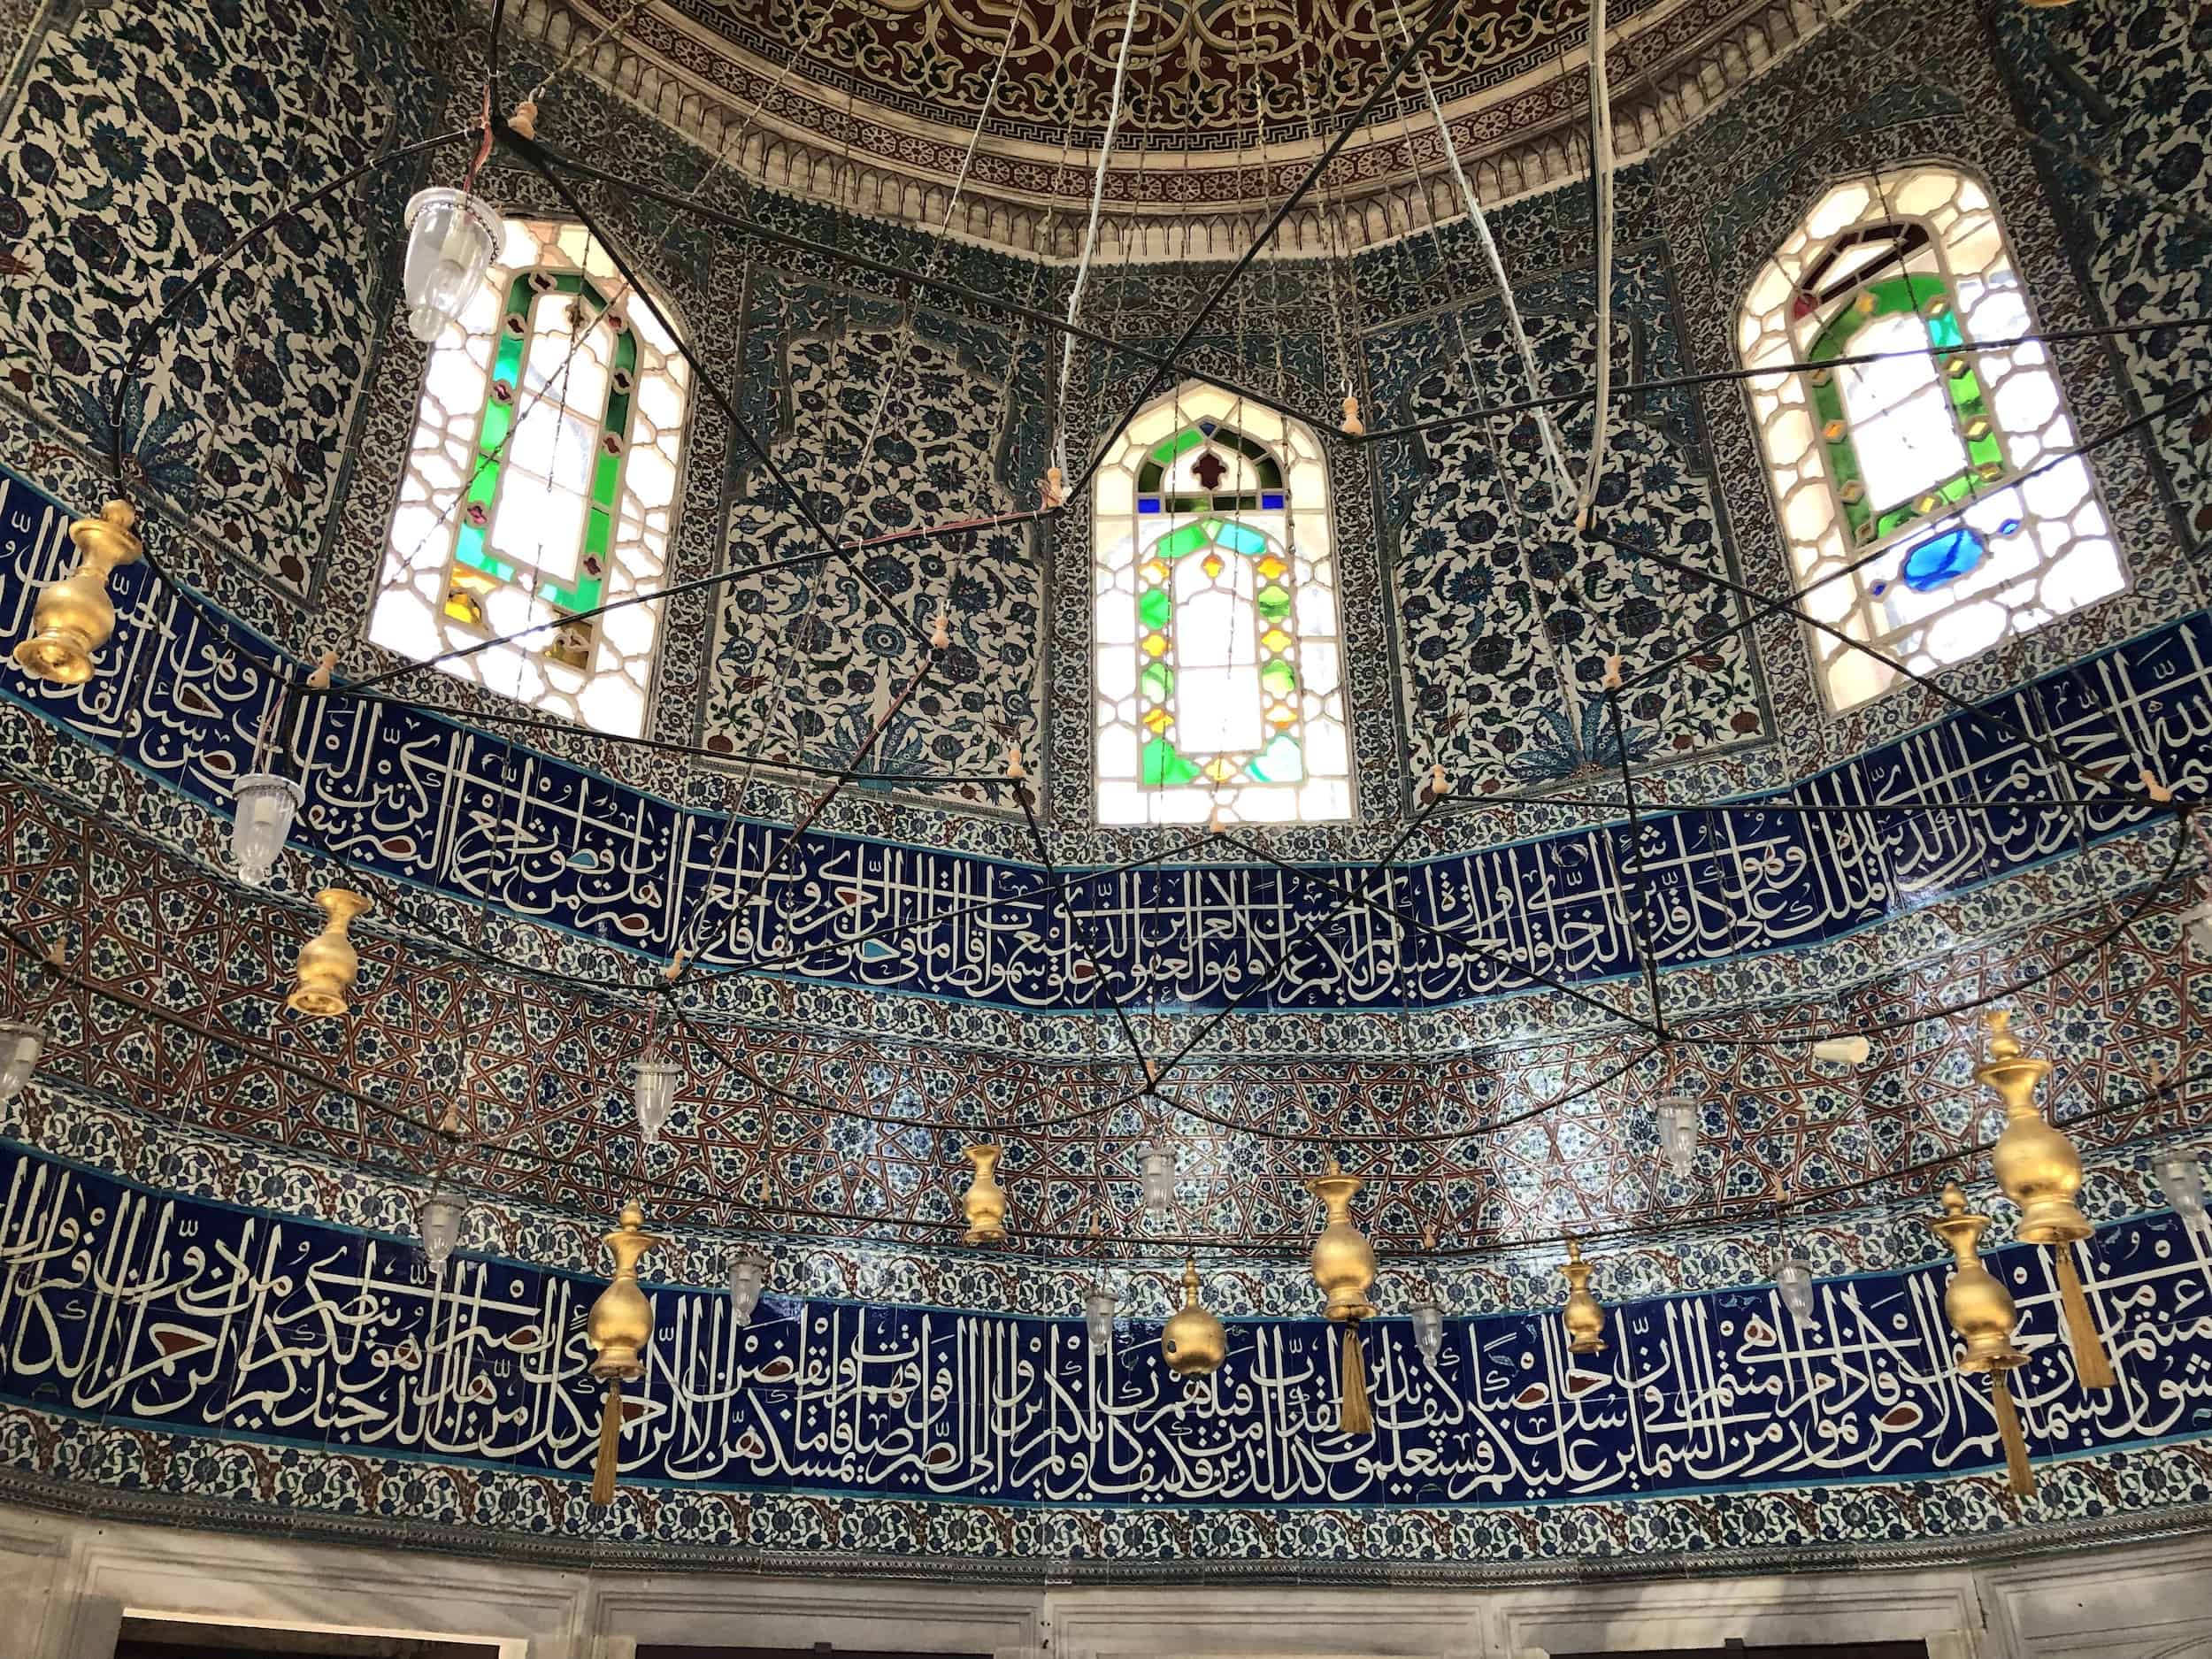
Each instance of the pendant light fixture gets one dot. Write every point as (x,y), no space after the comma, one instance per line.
(1678,1116)
(2181,1180)
(1155,1176)
(266,805)
(1343,1266)
(748,1276)
(1100,1310)
(1794,1280)
(1583,1316)
(20,1045)
(442,1214)
(451,237)
(1192,1342)
(653,1090)
(1427,1317)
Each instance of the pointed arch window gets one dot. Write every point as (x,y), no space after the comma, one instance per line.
(1219,679)
(1930,486)
(541,484)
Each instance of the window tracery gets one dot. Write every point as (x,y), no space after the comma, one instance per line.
(1927,491)
(1218,671)
(541,484)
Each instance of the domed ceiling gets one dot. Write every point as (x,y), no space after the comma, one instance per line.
(1215,99)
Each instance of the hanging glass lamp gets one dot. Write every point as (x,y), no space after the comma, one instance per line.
(1100,1309)
(451,236)
(655,1091)
(262,822)
(1156,1167)
(2181,1179)
(1428,1329)
(20,1046)
(442,1214)
(1678,1115)
(1794,1278)
(748,1276)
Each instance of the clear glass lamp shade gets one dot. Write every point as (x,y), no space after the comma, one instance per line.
(748,1276)
(1795,1279)
(656,1092)
(451,237)
(1428,1330)
(1844,1050)
(2196,926)
(1156,1167)
(266,805)
(441,1217)
(2181,1179)
(1678,1134)
(1099,1310)
(20,1046)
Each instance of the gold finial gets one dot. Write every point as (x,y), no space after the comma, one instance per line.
(618,1327)
(1014,762)
(2152,787)
(941,631)
(1980,1311)
(328,965)
(1613,671)
(525,119)
(1351,426)
(1053,491)
(1440,786)
(1583,1316)
(74,617)
(984,1204)
(325,667)
(1344,1268)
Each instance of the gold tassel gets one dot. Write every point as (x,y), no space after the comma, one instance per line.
(1355,1418)
(2090,1362)
(602,1472)
(2018,1476)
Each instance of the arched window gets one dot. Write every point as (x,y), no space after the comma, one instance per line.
(1934,475)
(541,484)
(1219,669)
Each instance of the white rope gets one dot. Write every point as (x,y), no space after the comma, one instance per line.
(1545,427)
(1601,177)
(1098,197)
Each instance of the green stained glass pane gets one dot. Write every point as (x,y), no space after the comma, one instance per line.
(1162,765)
(1278,678)
(1944,330)
(469,550)
(507,364)
(1148,479)
(626,352)
(603,478)
(1238,539)
(1273,603)
(1271,475)
(1157,679)
(598,536)
(1188,439)
(1154,608)
(497,418)
(1189,539)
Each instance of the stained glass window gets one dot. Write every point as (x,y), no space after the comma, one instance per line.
(1220,678)
(541,484)
(1938,471)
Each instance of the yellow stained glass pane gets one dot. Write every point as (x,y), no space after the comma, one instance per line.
(1271,567)
(1155,645)
(1154,571)
(1159,719)
(1275,639)
(1211,564)
(1221,771)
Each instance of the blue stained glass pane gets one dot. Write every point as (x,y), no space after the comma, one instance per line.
(1148,503)
(1270,501)
(1206,427)
(1942,559)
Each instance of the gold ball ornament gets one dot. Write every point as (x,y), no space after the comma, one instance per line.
(75,615)
(328,963)
(1192,1340)
(984,1204)
(1583,1316)
(2034,1164)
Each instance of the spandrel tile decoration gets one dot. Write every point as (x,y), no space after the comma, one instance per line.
(1094,830)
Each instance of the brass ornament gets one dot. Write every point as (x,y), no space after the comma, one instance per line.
(1352,425)
(328,965)
(1583,1316)
(2039,1170)
(1344,1268)
(1192,1341)
(619,1326)
(1980,1311)
(75,615)
(984,1204)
